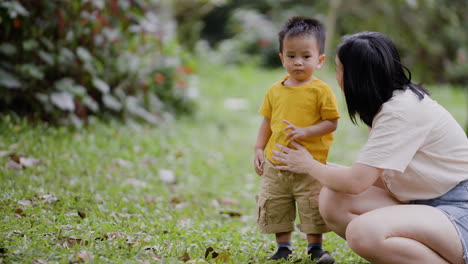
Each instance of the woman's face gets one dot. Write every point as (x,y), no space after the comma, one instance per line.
(339,72)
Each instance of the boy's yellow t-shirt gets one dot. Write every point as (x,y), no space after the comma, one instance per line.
(303,106)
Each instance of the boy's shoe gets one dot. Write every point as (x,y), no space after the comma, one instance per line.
(324,258)
(281,253)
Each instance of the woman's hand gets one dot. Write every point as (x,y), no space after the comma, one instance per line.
(296,132)
(297,160)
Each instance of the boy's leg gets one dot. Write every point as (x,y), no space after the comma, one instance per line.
(306,193)
(276,209)
(315,251)
(284,246)
(314,238)
(284,237)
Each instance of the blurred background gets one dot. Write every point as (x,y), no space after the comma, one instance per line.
(69,61)
(128,126)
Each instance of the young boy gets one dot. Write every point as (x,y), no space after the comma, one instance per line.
(303,108)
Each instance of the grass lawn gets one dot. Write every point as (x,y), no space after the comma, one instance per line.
(115,193)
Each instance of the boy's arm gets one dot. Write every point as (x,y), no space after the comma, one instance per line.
(317,130)
(264,134)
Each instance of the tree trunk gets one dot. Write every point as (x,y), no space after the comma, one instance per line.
(331,24)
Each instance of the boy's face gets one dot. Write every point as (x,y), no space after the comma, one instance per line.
(300,57)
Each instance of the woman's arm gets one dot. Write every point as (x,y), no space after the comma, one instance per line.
(352,180)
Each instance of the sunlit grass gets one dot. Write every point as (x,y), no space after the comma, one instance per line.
(113,204)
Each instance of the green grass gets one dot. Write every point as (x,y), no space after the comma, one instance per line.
(109,174)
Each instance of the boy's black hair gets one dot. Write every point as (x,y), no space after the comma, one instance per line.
(371,72)
(298,26)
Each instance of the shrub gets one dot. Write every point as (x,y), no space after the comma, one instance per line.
(66,60)
(246,30)
(431,38)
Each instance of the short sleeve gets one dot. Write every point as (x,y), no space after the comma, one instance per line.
(329,108)
(265,108)
(393,141)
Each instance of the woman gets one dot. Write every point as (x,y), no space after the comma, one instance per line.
(405,200)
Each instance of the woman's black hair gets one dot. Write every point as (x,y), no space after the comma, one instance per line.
(372,71)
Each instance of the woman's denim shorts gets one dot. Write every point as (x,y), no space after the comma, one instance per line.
(455,205)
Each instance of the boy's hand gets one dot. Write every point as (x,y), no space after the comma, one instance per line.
(296,132)
(258,161)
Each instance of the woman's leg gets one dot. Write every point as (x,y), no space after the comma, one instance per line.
(339,209)
(405,234)
(382,230)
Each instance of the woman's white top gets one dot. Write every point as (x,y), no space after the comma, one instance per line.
(421,148)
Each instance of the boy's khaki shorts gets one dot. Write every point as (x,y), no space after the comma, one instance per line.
(280,193)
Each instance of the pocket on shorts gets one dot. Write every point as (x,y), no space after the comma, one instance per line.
(261,210)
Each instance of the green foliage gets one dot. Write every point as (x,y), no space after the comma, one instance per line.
(432,38)
(189,15)
(66,60)
(247,30)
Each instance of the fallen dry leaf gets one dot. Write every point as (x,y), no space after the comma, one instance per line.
(136,243)
(123,163)
(167,176)
(150,200)
(82,214)
(28,162)
(174,200)
(13,165)
(222,258)
(186,222)
(114,235)
(125,215)
(47,198)
(231,213)
(82,256)
(150,162)
(181,205)
(25,202)
(228,202)
(16,158)
(210,252)
(185,257)
(4,153)
(135,182)
(218,258)
(196,261)
(18,162)
(179,154)
(70,242)
(20,212)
